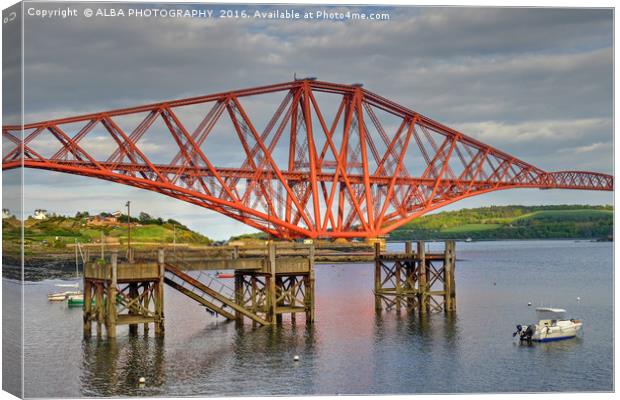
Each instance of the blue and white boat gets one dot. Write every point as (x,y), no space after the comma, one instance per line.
(552,325)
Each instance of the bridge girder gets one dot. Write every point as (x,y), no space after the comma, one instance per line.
(331,161)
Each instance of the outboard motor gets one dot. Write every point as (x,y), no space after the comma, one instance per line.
(525,333)
(518,332)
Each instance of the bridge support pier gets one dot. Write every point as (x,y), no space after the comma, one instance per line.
(123,294)
(415,281)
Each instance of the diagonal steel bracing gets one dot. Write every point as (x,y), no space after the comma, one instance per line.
(326,160)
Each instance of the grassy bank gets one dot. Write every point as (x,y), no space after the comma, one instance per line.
(55,233)
(513,222)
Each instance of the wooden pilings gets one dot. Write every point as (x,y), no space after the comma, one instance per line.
(283,287)
(271,283)
(158,291)
(238,295)
(449,281)
(378,280)
(123,294)
(111,299)
(416,281)
(133,293)
(309,284)
(88,296)
(423,301)
(99,304)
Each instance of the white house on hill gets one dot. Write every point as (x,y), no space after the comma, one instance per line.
(40,214)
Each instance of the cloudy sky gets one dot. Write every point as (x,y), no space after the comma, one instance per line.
(536,83)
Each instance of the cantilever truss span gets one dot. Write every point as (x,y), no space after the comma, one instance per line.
(298,159)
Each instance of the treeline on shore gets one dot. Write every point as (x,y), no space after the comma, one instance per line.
(513,222)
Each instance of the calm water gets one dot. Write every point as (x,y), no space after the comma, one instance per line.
(350,349)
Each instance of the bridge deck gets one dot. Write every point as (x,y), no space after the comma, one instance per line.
(136,272)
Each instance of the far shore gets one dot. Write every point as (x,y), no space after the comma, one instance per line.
(60,263)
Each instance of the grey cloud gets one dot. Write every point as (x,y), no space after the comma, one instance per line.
(115,63)
(460,32)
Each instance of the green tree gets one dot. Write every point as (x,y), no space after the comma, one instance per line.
(145,218)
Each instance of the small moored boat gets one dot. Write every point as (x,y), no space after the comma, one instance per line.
(62,296)
(67,295)
(552,325)
(77,300)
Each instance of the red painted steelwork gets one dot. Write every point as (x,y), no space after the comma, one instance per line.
(331,161)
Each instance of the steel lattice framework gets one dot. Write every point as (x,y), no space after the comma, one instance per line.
(332,160)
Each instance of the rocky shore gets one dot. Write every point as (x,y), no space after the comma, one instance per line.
(38,268)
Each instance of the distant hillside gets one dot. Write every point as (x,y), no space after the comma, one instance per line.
(258,237)
(513,222)
(58,231)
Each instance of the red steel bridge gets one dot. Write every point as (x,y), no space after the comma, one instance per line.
(324,160)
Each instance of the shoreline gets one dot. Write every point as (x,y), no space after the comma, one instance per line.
(62,266)
(593,240)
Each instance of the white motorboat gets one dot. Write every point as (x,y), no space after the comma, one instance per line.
(552,325)
(57,296)
(62,296)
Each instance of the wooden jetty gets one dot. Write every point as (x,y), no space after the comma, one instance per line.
(284,285)
(269,283)
(123,293)
(416,280)
(131,291)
